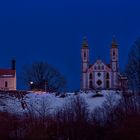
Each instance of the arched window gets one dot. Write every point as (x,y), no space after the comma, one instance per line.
(107,84)
(107,76)
(95,67)
(6,84)
(85,55)
(90,76)
(113,53)
(102,67)
(90,84)
(99,67)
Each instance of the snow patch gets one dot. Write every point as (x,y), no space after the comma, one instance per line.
(37,99)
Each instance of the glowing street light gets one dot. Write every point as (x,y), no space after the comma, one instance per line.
(31,82)
(31,85)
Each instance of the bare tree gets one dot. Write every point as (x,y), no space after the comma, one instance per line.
(39,109)
(43,76)
(72,119)
(133,67)
(36,118)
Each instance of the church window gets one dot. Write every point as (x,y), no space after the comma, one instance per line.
(84,54)
(90,76)
(107,76)
(99,74)
(102,67)
(6,84)
(99,82)
(113,53)
(99,67)
(107,84)
(90,84)
(95,68)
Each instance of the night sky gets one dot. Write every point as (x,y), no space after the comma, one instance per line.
(53,30)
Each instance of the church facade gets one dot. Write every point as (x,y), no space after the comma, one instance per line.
(100,75)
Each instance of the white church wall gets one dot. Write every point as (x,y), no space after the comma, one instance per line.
(99,78)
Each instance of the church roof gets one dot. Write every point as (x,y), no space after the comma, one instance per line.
(108,65)
(90,65)
(85,44)
(114,43)
(7,72)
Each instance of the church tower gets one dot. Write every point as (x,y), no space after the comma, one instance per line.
(114,63)
(85,64)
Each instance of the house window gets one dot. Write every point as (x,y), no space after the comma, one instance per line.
(107,76)
(90,76)
(6,84)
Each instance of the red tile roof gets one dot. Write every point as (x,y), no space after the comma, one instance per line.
(7,72)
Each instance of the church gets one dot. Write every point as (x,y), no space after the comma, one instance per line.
(8,78)
(100,75)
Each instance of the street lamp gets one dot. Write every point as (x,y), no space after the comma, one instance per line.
(31,84)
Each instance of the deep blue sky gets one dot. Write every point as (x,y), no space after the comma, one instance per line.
(52,31)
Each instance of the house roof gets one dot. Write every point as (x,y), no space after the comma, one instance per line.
(7,72)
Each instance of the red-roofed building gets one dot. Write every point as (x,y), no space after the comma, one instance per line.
(8,78)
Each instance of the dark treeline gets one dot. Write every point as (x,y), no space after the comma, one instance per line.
(74,121)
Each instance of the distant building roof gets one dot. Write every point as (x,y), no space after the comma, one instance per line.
(90,65)
(7,72)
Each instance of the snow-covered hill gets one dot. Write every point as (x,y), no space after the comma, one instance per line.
(36,100)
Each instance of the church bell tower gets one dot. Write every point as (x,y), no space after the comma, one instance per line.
(114,63)
(85,63)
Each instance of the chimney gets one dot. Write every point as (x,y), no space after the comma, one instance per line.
(13,64)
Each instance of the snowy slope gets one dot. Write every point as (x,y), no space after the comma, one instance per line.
(38,99)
